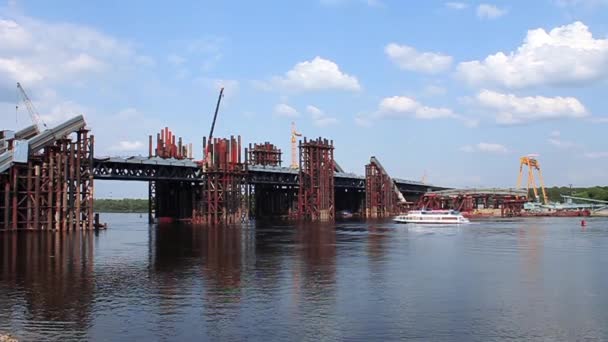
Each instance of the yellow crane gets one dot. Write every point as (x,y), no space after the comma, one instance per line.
(532,163)
(294,139)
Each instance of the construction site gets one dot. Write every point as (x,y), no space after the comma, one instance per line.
(47,180)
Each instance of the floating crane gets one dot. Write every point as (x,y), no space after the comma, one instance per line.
(294,135)
(36,120)
(532,163)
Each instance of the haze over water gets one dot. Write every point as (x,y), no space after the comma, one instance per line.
(523,279)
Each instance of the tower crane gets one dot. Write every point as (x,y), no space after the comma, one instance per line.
(294,135)
(30,108)
(532,163)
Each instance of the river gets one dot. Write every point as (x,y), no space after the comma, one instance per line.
(528,279)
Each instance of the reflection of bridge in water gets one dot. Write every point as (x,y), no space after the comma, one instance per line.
(46,181)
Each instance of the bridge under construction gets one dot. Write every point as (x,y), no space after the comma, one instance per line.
(47,180)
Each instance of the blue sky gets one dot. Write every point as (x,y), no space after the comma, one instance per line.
(457,90)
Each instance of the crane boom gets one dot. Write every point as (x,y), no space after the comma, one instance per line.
(30,107)
(217,108)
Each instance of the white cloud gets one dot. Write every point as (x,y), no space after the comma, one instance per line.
(456,5)
(55,112)
(44,54)
(319,118)
(231,87)
(487,11)
(317,74)
(511,109)
(566,55)
(284,110)
(485,147)
(399,107)
(596,155)
(127,146)
(403,106)
(600,120)
(556,140)
(362,121)
(408,58)
(84,62)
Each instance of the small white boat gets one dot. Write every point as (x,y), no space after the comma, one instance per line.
(432,217)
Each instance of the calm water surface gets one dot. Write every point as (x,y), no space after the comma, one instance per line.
(522,279)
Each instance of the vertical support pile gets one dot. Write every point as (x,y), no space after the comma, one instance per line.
(168,147)
(380,198)
(265,154)
(169,200)
(223,199)
(53,190)
(316,180)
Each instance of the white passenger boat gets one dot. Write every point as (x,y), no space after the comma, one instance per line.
(432,217)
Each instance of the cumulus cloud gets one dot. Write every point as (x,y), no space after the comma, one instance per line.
(34,51)
(319,118)
(286,111)
(511,109)
(566,55)
(408,58)
(487,11)
(485,147)
(456,5)
(401,107)
(317,74)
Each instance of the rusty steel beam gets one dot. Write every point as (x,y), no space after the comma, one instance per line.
(316,180)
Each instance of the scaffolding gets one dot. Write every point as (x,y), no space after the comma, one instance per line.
(316,180)
(380,198)
(169,199)
(53,189)
(264,154)
(223,198)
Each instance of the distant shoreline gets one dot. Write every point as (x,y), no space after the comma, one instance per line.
(126,205)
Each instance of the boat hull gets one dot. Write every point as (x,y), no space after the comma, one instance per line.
(430,222)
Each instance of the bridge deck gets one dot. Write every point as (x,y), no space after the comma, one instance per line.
(150,169)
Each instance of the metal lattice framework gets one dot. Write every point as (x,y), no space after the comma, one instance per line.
(379,194)
(264,154)
(316,180)
(53,190)
(223,199)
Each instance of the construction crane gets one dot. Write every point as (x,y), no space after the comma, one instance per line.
(532,163)
(294,135)
(36,120)
(423,179)
(217,108)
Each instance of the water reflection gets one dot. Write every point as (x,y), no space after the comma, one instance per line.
(273,281)
(47,279)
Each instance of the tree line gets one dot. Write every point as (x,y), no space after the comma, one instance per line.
(130,205)
(126,205)
(596,192)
